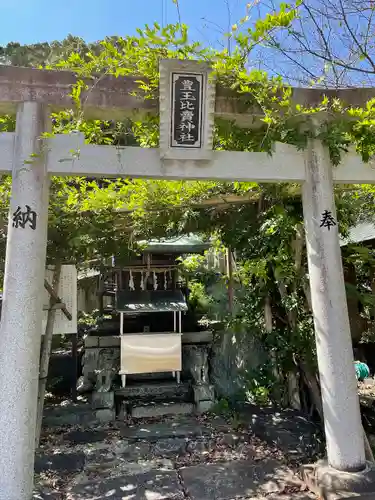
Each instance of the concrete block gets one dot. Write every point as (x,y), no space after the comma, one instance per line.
(204,392)
(109,341)
(103,400)
(332,484)
(91,341)
(204,406)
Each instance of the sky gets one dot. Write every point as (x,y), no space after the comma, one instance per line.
(31,21)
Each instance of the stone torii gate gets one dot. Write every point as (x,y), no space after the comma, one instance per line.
(184,86)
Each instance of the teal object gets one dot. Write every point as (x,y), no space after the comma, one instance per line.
(362,371)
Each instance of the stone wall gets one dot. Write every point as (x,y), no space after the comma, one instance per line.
(232,357)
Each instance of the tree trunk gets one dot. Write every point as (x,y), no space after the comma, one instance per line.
(75,363)
(293,391)
(230,280)
(46,352)
(372,314)
(313,385)
(268,321)
(357,323)
(293,396)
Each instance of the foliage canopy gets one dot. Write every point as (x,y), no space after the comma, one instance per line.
(265,230)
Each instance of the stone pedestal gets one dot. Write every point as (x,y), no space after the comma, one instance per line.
(203,392)
(101,400)
(204,397)
(195,359)
(332,484)
(195,363)
(104,379)
(100,365)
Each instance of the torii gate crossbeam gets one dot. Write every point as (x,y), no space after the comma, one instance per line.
(26,254)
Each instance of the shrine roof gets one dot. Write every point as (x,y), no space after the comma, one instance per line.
(364,231)
(180,244)
(148,301)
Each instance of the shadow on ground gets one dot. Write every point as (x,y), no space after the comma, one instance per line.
(196,458)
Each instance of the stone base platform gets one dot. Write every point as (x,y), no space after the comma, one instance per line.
(332,484)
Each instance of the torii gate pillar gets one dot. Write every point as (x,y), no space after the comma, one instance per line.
(21,322)
(342,420)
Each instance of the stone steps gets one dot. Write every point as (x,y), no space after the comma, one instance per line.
(161,391)
(149,400)
(76,414)
(154,409)
(151,377)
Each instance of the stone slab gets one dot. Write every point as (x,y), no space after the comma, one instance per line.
(136,451)
(155,485)
(85,437)
(220,424)
(64,463)
(289,430)
(99,461)
(332,484)
(170,447)
(230,439)
(200,446)
(81,414)
(231,480)
(164,430)
(161,409)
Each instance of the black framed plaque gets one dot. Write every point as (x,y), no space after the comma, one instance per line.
(186,110)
